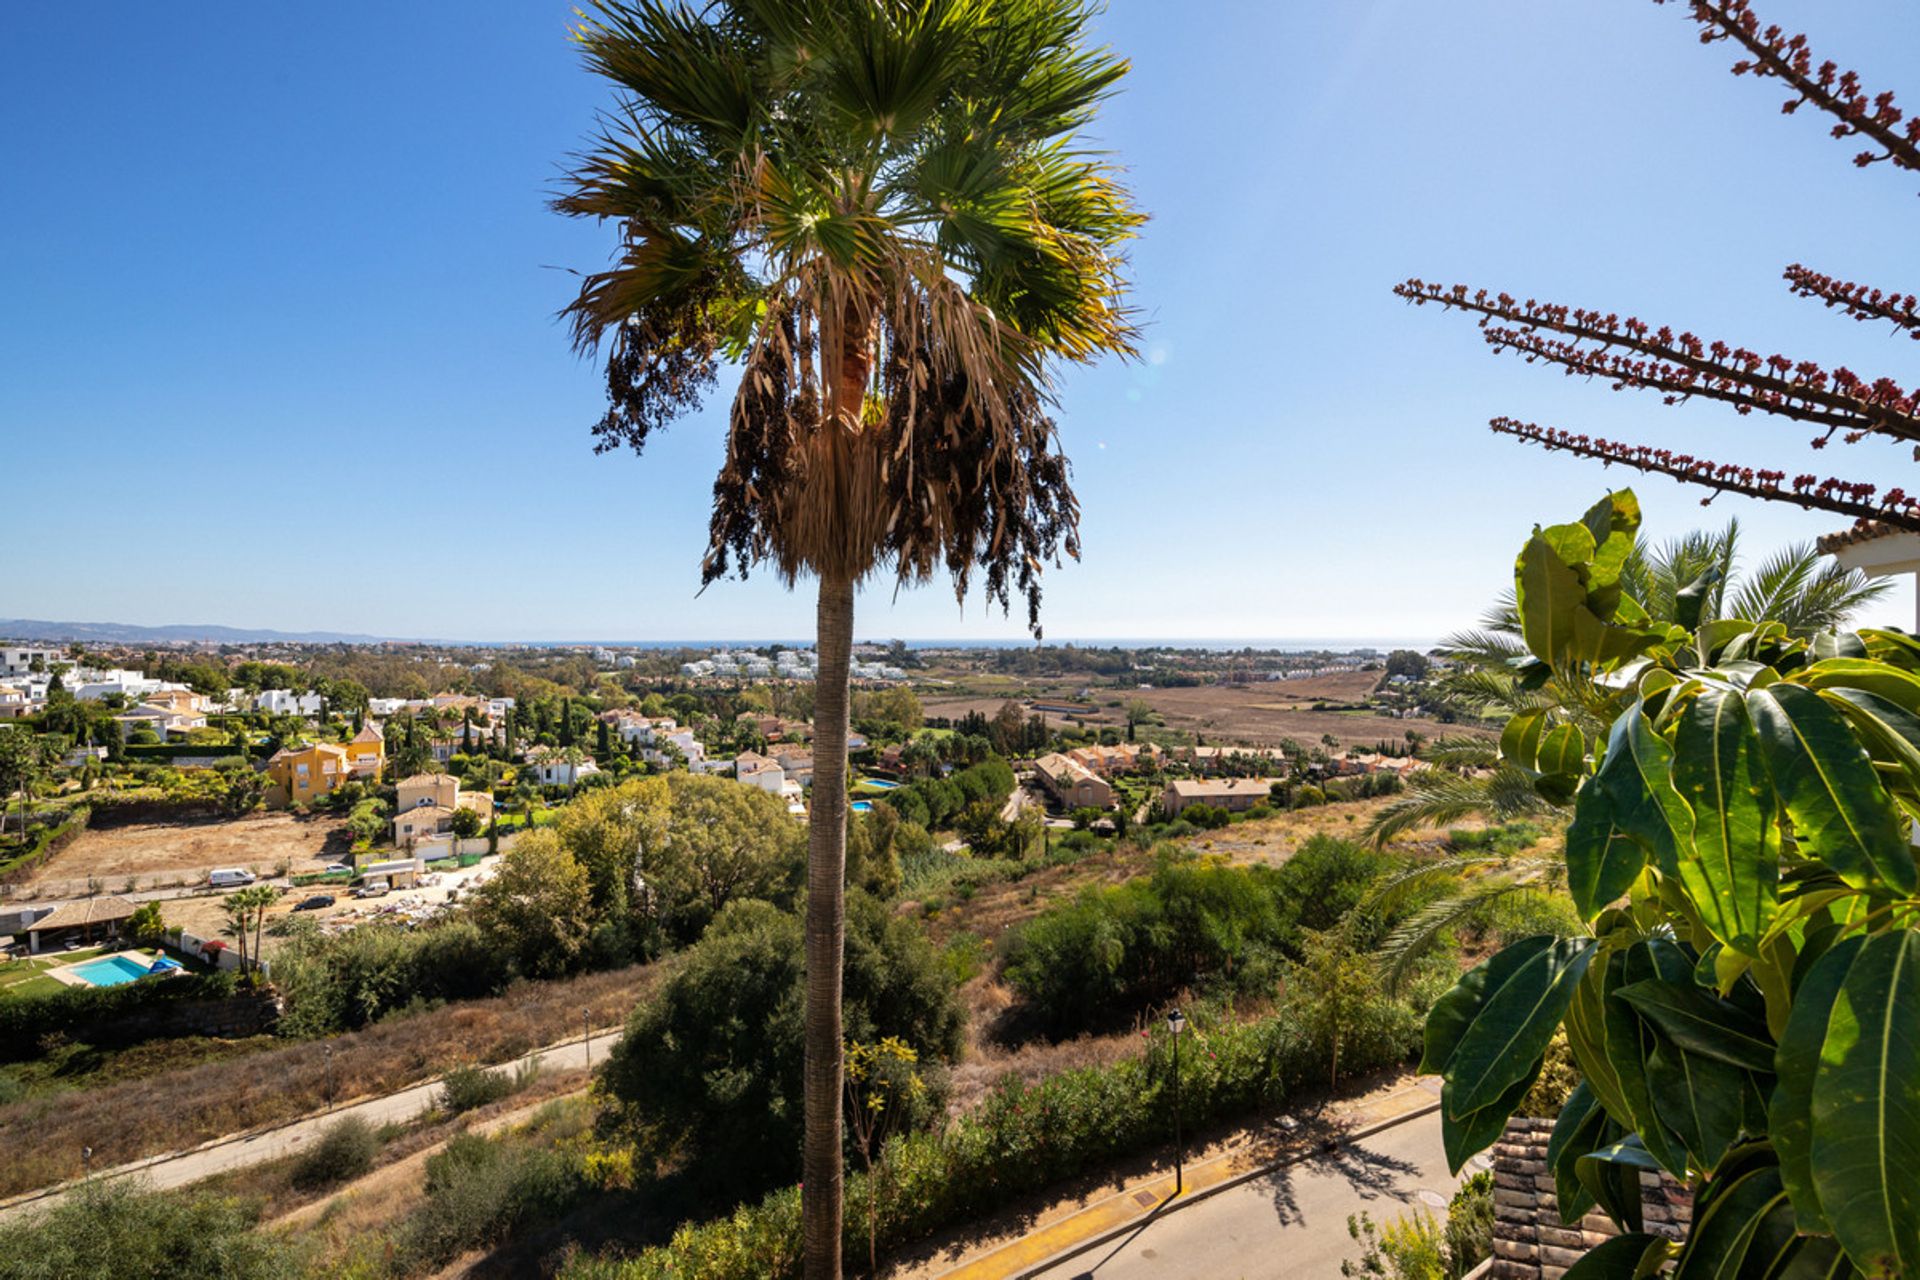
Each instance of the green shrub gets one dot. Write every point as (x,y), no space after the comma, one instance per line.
(1469,1239)
(1327,877)
(1021,1139)
(1110,952)
(344,1152)
(101,1015)
(710,1068)
(468,1088)
(122,1230)
(478,1191)
(1410,1248)
(345,981)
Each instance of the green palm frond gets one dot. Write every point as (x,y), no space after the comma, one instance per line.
(1413,937)
(1804,591)
(1462,753)
(1434,798)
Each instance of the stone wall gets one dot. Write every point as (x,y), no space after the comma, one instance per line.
(230,1018)
(1529,1240)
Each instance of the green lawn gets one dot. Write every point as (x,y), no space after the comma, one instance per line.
(28,977)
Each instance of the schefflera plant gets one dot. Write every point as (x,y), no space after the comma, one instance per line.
(1745,1010)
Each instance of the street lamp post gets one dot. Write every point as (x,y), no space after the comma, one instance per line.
(586,1034)
(1177,1023)
(328,1049)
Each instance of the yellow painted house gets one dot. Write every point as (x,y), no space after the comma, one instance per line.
(367,753)
(307,772)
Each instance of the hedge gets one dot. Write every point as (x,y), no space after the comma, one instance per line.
(183,751)
(49,841)
(1025,1138)
(83,1013)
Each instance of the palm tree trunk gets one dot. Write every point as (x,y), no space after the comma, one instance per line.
(826,932)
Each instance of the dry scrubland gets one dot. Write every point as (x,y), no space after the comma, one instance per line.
(993,1050)
(180,1109)
(168,851)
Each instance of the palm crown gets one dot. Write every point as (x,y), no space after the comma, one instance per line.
(877,209)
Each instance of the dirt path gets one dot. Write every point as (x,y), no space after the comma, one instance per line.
(179,1168)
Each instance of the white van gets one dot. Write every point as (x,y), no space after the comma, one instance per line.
(230,878)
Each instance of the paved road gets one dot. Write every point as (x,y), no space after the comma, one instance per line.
(271,1144)
(1291,1222)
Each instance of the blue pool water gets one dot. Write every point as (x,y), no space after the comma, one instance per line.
(879,784)
(861,806)
(110,971)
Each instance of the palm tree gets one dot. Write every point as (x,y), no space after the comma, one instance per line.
(877,210)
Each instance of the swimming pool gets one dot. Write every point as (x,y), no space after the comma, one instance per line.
(879,784)
(861,806)
(109,971)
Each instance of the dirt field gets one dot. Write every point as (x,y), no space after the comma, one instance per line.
(1244,714)
(157,854)
(1262,714)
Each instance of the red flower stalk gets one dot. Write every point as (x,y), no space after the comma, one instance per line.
(1856,499)
(1632,353)
(1628,352)
(1836,92)
(1902,310)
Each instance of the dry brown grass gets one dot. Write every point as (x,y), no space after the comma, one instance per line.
(994,908)
(1262,714)
(986,1061)
(181,1109)
(165,853)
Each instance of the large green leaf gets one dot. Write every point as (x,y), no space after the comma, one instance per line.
(1548,589)
(1613,523)
(1563,750)
(1630,1042)
(1827,785)
(1743,1224)
(1706,1103)
(1520,739)
(1611,1175)
(1637,776)
(1790,1111)
(1587,1036)
(1512,1024)
(1455,1011)
(1891,734)
(1582,1128)
(1637,1255)
(1701,1023)
(1866,1109)
(1602,860)
(1732,865)
(1464,1134)
(1902,688)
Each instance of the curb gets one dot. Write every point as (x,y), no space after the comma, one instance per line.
(27,1198)
(1170,1205)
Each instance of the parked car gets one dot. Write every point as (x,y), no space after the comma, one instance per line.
(230,878)
(316,902)
(372,889)
(337,868)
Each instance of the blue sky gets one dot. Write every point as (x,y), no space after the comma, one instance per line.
(277,288)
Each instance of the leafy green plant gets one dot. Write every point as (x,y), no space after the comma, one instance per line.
(1022,1138)
(344,1152)
(1742,1004)
(123,1230)
(468,1088)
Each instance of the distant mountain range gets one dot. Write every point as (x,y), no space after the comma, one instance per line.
(35,629)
